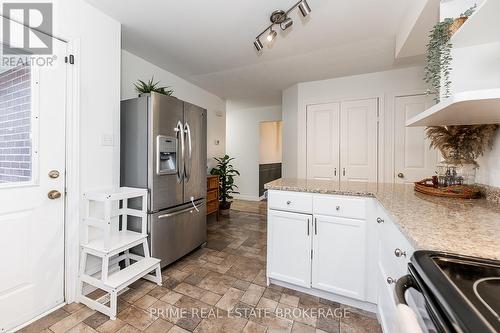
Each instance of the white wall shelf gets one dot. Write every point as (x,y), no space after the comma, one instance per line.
(464,108)
(481,28)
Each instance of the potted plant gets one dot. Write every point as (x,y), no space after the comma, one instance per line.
(147,87)
(438,67)
(227,187)
(461,146)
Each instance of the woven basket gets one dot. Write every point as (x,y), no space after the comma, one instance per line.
(454,191)
(457,23)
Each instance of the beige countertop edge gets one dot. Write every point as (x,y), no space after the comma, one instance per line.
(415,241)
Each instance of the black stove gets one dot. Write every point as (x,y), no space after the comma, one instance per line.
(462,294)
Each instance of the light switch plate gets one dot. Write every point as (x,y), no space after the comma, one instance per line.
(107,140)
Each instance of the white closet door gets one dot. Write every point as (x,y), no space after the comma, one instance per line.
(323,141)
(413,159)
(359,140)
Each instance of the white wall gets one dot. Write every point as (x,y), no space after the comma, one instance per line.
(98,37)
(95,39)
(243,138)
(383,85)
(134,68)
(290,129)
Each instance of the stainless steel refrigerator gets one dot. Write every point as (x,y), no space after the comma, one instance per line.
(164,149)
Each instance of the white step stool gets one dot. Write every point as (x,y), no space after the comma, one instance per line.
(113,246)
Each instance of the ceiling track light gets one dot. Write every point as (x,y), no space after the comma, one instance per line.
(280,17)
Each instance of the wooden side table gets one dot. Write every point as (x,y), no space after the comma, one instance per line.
(213,195)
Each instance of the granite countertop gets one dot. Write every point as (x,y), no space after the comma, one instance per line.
(467,227)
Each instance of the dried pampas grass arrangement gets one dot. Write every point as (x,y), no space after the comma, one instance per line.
(462,144)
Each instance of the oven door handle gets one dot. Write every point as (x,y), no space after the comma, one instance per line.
(402,285)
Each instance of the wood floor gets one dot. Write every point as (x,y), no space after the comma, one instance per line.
(219,288)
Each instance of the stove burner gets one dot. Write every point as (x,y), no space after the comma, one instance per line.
(486,290)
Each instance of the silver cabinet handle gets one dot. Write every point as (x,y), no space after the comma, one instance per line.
(399,253)
(380,220)
(315,226)
(187,163)
(308,227)
(390,280)
(343,171)
(189,209)
(288,202)
(337,208)
(335,171)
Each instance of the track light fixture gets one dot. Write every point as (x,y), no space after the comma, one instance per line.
(258,45)
(280,17)
(272,35)
(304,8)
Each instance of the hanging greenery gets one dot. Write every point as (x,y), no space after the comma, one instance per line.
(438,67)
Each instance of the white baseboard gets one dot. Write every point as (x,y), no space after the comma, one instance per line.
(246,197)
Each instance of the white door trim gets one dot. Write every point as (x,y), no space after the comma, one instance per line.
(73,198)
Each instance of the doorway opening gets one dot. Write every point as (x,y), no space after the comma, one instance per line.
(270,153)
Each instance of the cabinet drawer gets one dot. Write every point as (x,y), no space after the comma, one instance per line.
(212,206)
(212,183)
(349,207)
(290,201)
(212,195)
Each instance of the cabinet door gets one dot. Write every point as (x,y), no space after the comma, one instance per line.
(323,141)
(289,247)
(413,158)
(358,140)
(339,256)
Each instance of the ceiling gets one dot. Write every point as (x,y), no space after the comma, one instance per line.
(210,43)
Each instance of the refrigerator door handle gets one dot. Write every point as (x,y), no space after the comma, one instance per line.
(180,138)
(182,211)
(188,161)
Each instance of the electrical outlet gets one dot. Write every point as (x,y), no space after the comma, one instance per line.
(107,140)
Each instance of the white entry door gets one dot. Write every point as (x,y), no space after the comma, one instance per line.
(323,124)
(413,159)
(359,140)
(32,166)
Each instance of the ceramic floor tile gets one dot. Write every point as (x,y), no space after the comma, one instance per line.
(253,294)
(159,326)
(357,323)
(252,327)
(136,317)
(228,274)
(72,320)
(96,320)
(45,322)
(81,328)
(230,299)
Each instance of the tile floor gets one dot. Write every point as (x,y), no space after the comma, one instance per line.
(219,288)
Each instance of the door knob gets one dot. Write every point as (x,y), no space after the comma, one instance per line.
(401,175)
(54,194)
(54,174)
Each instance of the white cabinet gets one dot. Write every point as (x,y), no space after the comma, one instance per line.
(342,140)
(324,247)
(323,141)
(358,140)
(339,247)
(394,252)
(289,247)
